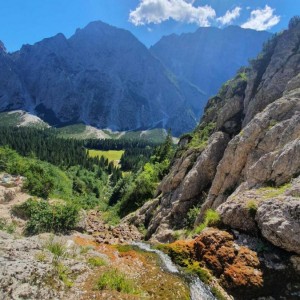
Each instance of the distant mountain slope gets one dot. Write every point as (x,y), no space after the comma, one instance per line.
(104,77)
(209,56)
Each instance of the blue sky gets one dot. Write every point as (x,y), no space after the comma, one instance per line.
(28,21)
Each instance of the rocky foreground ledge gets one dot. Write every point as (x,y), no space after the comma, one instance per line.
(48,267)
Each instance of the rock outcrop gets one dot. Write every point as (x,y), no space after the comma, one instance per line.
(237,267)
(254,125)
(27,270)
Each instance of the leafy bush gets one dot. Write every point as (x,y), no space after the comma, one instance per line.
(201,136)
(134,190)
(38,180)
(44,217)
(114,280)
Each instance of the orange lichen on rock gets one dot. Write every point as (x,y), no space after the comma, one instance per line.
(236,266)
(84,241)
(215,250)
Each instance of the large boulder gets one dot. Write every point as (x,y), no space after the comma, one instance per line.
(279,222)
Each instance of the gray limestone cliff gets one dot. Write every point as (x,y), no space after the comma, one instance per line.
(243,160)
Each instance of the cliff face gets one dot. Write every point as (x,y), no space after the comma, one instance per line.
(243,160)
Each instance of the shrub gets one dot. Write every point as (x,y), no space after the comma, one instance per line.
(114,280)
(191,217)
(212,219)
(38,180)
(44,217)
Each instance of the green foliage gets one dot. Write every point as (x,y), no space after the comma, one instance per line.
(211,219)
(38,180)
(141,189)
(274,191)
(181,254)
(45,217)
(116,281)
(243,76)
(8,227)
(96,261)
(202,273)
(199,228)
(134,190)
(201,136)
(57,248)
(252,208)
(42,179)
(192,216)
(218,294)
(64,273)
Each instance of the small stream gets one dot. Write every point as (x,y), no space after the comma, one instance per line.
(198,290)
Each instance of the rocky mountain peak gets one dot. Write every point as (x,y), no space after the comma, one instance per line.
(2,47)
(102,74)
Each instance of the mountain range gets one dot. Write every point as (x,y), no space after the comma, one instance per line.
(104,77)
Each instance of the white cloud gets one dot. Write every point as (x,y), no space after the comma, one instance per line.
(230,16)
(262,19)
(157,11)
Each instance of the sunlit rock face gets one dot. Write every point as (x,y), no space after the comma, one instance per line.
(252,176)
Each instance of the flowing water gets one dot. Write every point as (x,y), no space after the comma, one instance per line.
(198,290)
